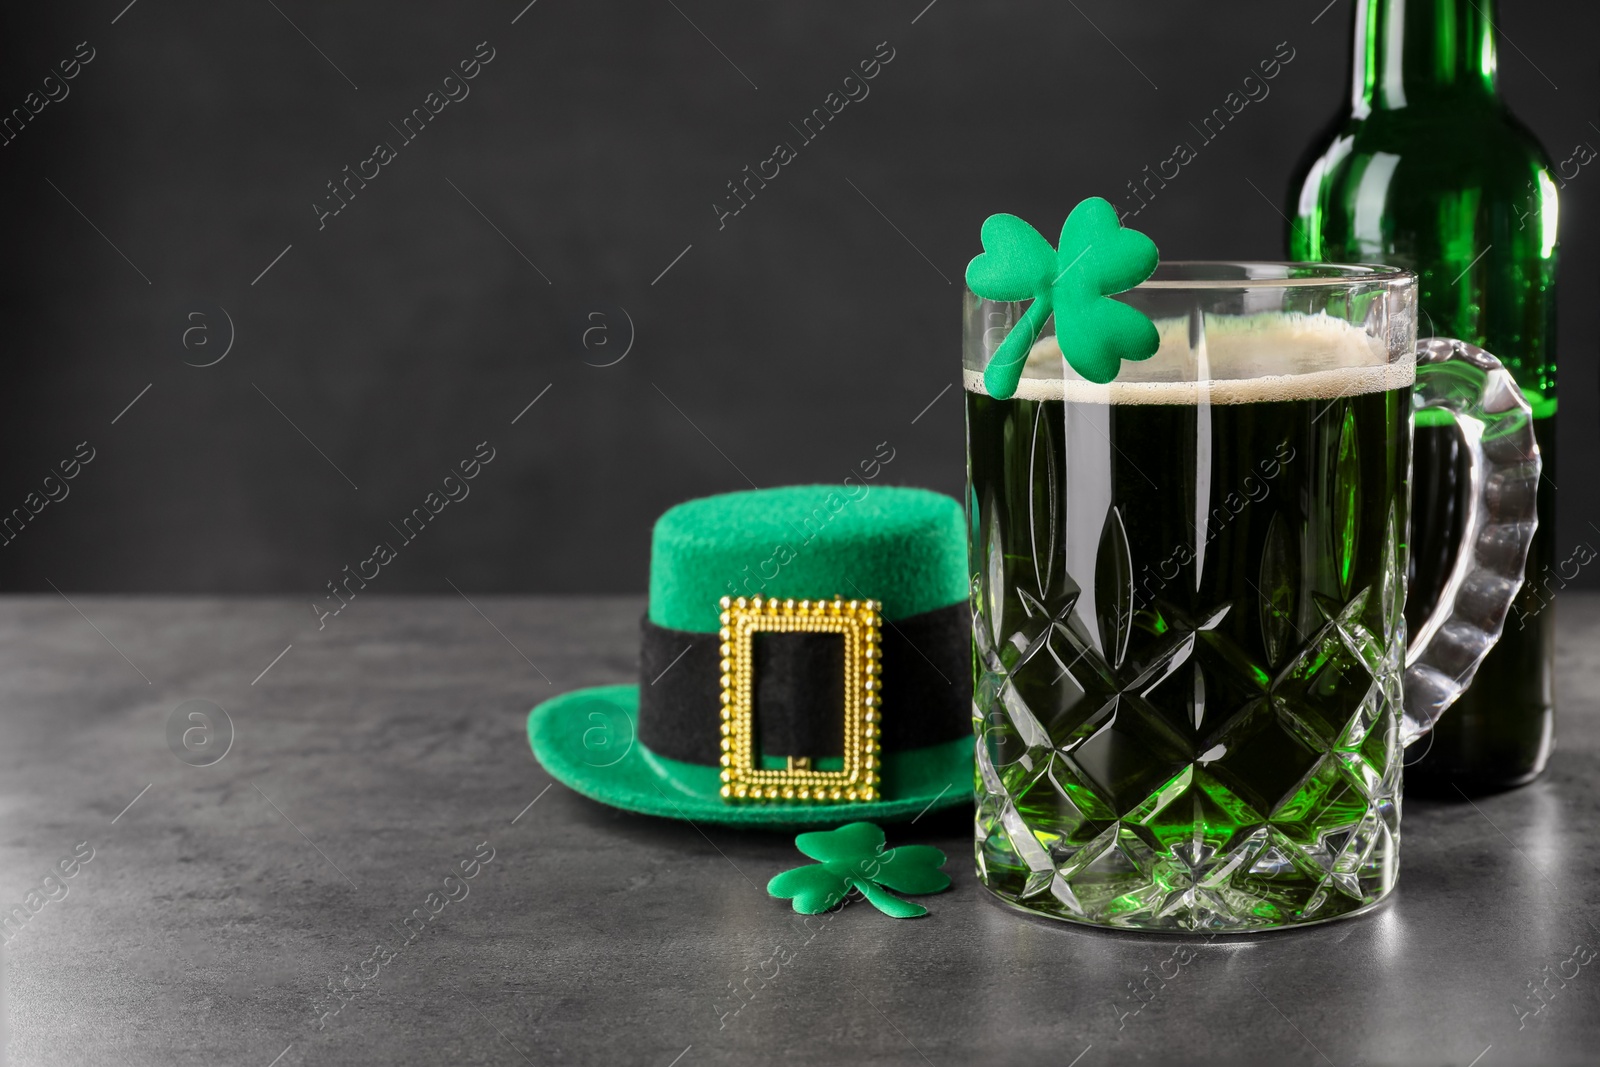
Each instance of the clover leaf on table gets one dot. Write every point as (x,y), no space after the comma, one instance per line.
(1096,258)
(853,857)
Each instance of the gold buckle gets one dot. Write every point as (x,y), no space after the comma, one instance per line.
(743,779)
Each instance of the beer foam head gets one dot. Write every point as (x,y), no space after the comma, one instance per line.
(1243,359)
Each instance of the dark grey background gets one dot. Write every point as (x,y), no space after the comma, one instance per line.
(409,329)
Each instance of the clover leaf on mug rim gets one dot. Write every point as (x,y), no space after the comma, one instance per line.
(1096,258)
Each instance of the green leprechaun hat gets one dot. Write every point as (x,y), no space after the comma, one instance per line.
(805,661)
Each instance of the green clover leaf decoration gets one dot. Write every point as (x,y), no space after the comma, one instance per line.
(853,857)
(1097,257)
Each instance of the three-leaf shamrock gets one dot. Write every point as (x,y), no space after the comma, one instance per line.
(1097,257)
(853,857)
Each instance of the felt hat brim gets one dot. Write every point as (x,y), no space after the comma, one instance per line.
(587,741)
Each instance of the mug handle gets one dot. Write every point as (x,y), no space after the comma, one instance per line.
(1496,427)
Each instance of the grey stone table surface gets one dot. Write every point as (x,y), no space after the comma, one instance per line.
(218,904)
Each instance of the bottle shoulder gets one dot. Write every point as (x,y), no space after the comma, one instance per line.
(1466,199)
(1443,147)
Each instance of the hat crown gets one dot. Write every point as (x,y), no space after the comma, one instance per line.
(903,547)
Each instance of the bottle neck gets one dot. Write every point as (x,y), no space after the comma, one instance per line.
(1408,51)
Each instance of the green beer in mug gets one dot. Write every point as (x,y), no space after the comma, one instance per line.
(1192,681)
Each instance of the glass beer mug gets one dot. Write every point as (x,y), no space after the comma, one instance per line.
(1192,681)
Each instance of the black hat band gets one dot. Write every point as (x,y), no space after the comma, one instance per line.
(798,692)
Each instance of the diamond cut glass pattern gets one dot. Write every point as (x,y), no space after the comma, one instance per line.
(1191,680)
(1192,723)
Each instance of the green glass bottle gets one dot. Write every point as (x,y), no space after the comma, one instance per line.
(1429,171)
